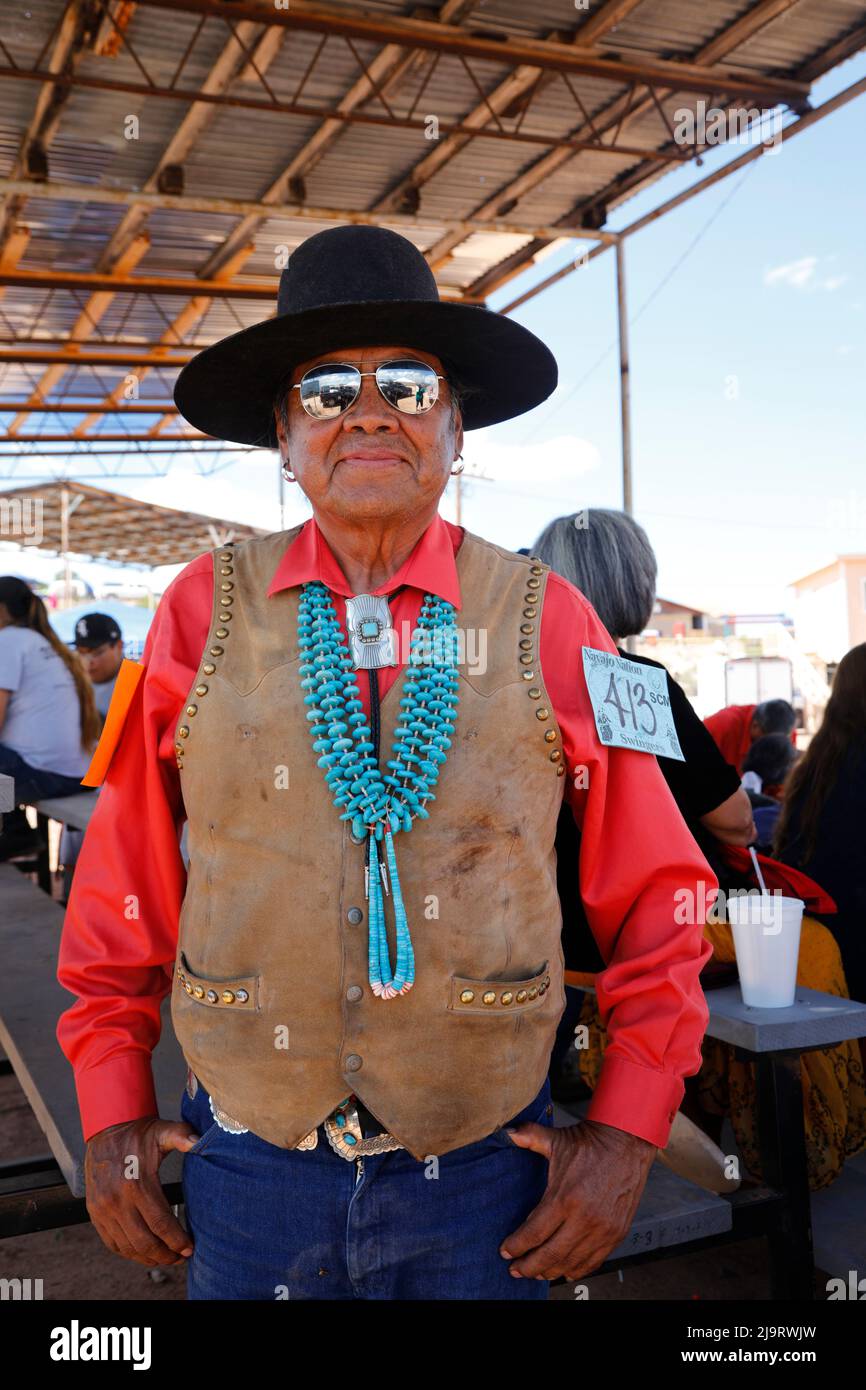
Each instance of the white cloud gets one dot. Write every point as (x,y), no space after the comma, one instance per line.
(796,273)
(801,275)
(555,464)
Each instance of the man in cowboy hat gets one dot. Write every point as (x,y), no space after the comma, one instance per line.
(367,1014)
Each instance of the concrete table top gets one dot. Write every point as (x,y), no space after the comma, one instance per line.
(813,1020)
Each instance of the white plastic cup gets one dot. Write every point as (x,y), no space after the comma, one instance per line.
(766,928)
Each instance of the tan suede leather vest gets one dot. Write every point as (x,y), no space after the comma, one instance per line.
(271,1001)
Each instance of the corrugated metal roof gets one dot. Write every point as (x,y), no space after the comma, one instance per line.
(238,153)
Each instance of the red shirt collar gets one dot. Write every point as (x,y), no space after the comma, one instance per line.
(431,566)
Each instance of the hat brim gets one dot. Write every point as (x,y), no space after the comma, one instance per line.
(228,390)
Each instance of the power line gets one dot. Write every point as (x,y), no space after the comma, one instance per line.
(647,302)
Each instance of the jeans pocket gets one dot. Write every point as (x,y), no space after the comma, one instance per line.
(204,1140)
(197,1112)
(539,1112)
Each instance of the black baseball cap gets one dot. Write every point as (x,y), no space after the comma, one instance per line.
(92,629)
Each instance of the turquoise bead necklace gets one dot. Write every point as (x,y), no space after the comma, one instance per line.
(380,804)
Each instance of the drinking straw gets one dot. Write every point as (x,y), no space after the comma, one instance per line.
(758,869)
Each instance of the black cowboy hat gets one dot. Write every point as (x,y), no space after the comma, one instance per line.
(361,286)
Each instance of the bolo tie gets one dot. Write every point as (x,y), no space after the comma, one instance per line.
(373,644)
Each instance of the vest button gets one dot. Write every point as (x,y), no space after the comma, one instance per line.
(354,993)
(353,1062)
(355,915)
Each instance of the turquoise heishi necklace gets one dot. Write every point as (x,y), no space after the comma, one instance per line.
(380,805)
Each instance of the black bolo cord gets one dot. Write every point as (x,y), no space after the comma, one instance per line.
(373,675)
(375,712)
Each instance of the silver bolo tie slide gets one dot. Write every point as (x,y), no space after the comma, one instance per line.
(372,638)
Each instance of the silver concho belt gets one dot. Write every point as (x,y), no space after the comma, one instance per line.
(342,1128)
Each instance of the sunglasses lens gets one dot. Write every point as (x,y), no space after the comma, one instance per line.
(409,386)
(328,390)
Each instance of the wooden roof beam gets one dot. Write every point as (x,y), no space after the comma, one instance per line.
(198,117)
(517,84)
(386,68)
(87,193)
(12,250)
(71,35)
(94,310)
(758,17)
(506,49)
(127,244)
(191,313)
(749,24)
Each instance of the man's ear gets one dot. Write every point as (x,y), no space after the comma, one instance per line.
(458,437)
(281,435)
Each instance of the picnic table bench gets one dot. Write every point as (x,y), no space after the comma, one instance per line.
(74,811)
(45,1190)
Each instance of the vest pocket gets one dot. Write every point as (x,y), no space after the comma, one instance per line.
(499,997)
(239,992)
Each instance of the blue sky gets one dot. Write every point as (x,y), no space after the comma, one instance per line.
(748,346)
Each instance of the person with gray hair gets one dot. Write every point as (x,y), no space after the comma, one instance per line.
(608,557)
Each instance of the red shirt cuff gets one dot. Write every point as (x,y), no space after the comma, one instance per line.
(637,1099)
(115,1091)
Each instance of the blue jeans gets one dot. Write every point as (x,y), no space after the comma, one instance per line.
(31,783)
(272,1223)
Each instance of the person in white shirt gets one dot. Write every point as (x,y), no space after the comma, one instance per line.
(49,724)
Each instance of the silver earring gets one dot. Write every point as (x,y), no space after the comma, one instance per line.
(287,473)
(457,470)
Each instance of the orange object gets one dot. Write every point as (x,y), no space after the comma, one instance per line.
(128,676)
(580,979)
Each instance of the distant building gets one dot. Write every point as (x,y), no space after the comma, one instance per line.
(830,608)
(754,628)
(674,620)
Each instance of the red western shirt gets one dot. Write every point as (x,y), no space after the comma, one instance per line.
(636,854)
(730,727)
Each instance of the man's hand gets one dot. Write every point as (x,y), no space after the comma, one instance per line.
(595,1179)
(124,1198)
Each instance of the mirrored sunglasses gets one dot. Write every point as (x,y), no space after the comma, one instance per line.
(406,384)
